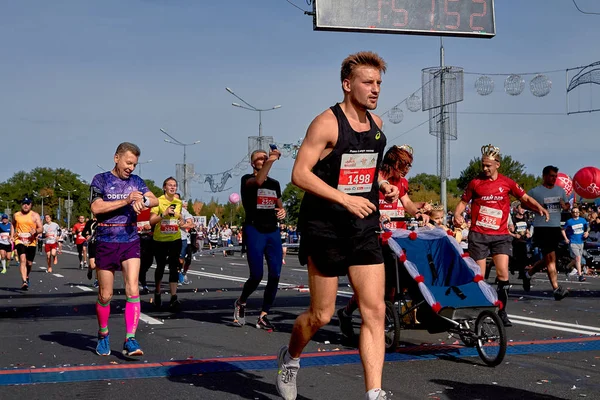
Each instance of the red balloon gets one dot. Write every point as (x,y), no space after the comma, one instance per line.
(586,182)
(564,181)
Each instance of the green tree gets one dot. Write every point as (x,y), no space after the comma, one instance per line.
(156,190)
(425,182)
(292,198)
(190,207)
(508,167)
(54,185)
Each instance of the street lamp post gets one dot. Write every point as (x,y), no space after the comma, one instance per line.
(184,145)
(7,209)
(250,107)
(69,204)
(139,164)
(42,197)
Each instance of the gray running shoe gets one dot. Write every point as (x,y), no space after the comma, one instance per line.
(286,376)
(239,313)
(382,395)
(186,280)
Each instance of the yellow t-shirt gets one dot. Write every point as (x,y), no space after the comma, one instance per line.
(167,229)
(23,227)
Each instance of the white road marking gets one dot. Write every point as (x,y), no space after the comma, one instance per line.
(243,265)
(42,268)
(553,327)
(298,269)
(146,318)
(558,323)
(58,275)
(149,320)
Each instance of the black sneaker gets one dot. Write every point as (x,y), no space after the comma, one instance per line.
(145,290)
(560,293)
(89,274)
(526,282)
(263,323)
(157,300)
(24,286)
(174,304)
(345,324)
(504,317)
(581,278)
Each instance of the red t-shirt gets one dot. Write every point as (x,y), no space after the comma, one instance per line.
(491,203)
(392,210)
(77,231)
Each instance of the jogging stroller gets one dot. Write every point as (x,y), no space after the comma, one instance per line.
(439,283)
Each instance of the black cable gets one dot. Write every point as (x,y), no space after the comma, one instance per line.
(299,8)
(584,12)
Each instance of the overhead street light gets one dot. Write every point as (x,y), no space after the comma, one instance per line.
(176,142)
(250,107)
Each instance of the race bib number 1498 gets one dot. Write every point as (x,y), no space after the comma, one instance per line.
(357,172)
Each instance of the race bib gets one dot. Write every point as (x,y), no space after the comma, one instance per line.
(266,199)
(552,204)
(51,237)
(4,236)
(169,226)
(25,238)
(489,218)
(357,172)
(391,210)
(521,227)
(578,229)
(143,225)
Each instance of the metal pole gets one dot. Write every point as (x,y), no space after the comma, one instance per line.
(259,123)
(184,174)
(42,208)
(69,209)
(443,144)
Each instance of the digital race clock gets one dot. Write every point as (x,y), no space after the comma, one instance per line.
(472,18)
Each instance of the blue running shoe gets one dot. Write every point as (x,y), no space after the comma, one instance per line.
(181,278)
(132,348)
(103,346)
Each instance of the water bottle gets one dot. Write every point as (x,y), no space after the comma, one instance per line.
(413,224)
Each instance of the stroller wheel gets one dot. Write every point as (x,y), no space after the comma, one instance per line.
(392,327)
(491,338)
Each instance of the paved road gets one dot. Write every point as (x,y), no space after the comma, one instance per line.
(47,341)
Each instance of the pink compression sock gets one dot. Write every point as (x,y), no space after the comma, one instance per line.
(102,312)
(132,315)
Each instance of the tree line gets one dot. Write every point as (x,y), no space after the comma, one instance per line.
(54,186)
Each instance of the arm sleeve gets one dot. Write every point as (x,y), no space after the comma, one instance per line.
(96,189)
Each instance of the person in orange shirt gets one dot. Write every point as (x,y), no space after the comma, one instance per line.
(26,227)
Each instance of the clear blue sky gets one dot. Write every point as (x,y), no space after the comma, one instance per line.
(80,76)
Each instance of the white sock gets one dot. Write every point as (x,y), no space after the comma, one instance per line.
(287,358)
(3,263)
(527,274)
(372,394)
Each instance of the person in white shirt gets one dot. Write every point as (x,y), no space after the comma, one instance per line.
(51,232)
(225,238)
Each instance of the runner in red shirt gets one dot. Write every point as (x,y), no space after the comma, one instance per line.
(80,241)
(489,193)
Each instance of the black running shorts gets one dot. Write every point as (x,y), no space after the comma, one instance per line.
(547,239)
(29,251)
(333,256)
(482,246)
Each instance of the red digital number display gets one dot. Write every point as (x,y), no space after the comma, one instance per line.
(434,17)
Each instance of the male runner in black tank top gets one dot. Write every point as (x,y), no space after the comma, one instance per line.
(338,167)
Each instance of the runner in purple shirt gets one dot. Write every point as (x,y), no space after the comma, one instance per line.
(117,197)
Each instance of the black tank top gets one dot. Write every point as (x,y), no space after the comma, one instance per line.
(352,167)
